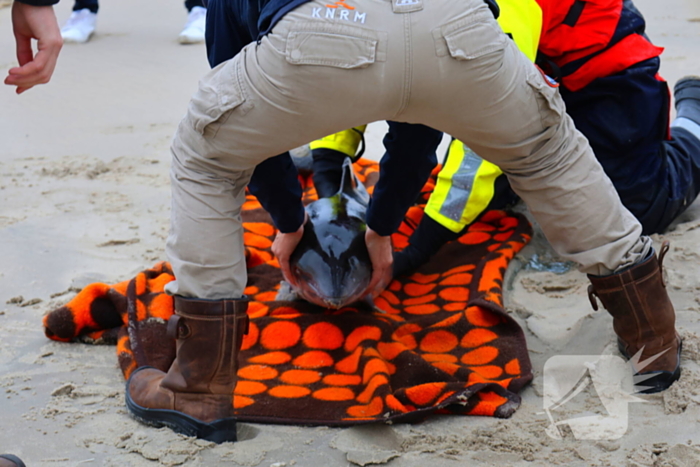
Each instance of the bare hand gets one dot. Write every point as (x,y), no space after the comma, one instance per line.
(381,254)
(283,247)
(34,22)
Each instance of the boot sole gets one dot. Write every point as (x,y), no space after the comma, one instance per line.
(687,88)
(218,431)
(661,380)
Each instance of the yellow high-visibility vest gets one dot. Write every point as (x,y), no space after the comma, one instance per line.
(465,185)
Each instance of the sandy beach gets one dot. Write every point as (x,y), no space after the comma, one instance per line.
(84,197)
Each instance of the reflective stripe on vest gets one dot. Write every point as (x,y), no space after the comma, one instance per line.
(465,185)
(464,188)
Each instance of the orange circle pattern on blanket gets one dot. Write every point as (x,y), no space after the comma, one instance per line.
(436,341)
(433,323)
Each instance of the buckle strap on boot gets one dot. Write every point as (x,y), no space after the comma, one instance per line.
(177,329)
(591,297)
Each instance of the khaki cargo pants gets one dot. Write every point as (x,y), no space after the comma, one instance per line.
(327,67)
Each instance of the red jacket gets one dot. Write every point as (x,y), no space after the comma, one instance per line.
(591,39)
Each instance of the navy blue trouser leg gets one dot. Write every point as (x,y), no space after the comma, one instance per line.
(91,5)
(189,4)
(625,118)
(682,154)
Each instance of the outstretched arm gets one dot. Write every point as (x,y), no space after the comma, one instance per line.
(34,21)
(275,183)
(404,169)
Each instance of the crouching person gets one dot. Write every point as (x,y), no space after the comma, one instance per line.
(284,90)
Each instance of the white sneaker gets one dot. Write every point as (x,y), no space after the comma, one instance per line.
(79,26)
(194,28)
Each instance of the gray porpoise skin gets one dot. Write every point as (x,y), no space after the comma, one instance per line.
(331,264)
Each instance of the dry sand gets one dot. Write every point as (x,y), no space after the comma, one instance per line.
(84,197)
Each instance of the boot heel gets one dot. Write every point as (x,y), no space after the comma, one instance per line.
(220,431)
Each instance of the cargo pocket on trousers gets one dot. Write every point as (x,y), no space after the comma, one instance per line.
(469,39)
(549,100)
(218,95)
(331,49)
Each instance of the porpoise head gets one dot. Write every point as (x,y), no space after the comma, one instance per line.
(331,264)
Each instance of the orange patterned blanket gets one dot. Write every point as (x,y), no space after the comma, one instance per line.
(439,342)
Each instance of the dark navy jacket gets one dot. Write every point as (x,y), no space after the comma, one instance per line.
(39,2)
(233,24)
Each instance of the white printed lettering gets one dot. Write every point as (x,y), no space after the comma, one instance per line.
(343,14)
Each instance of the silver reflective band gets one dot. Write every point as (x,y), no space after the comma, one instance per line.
(687,124)
(462,185)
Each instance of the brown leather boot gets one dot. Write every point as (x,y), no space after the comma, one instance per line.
(8,460)
(195,396)
(643,318)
